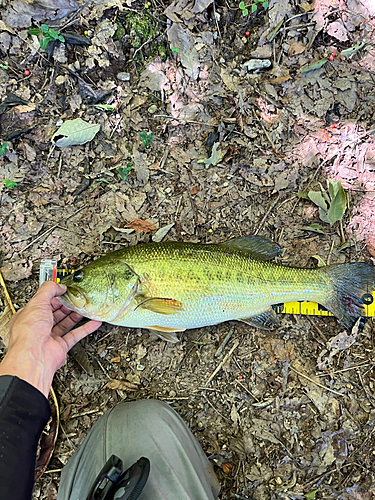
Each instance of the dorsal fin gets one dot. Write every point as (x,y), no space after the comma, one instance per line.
(258,246)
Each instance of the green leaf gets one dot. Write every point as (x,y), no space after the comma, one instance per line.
(216,156)
(44,28)
(317,198)
(9,184)
(241,5)
(175,49)
(245,12)
(254,8)
(321,263)
(265,5)
(61,38)
(311,495)
(44,43)
(34,31)
(325,194)
(314,66)
(146,138)
(75,132)
(333,187)
(303,194)
(3,148)
(352,50)
(4,66)
(338,205)
(53,34)
(272,34)
(123,172)
(347,244)
(105,107)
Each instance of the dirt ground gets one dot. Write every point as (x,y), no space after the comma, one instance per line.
(215,122)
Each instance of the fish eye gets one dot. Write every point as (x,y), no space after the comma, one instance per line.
(78,276)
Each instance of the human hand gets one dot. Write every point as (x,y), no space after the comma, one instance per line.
(41,334)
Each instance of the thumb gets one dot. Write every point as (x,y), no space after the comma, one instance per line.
(48,291)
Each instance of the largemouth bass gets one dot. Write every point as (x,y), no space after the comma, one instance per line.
(170,287)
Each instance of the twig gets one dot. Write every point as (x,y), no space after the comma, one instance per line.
(365,388)
(246,389)
(267,214)
(78,415)
(217,24)
(103,369)
(316,383)
(51,229)
(264,130)
(217,411)
(224,343)
(226,357)
(7,296)
(146,43)
(164,159)
(330,252)
(367,363)
(318,330)
(184,121)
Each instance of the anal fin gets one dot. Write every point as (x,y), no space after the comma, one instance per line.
(265,321)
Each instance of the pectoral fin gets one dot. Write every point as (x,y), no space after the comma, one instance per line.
(165,333)
(265,321)
(161,305)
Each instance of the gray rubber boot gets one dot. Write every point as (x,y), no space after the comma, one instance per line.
(179,468)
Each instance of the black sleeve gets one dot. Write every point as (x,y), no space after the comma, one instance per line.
(24,411)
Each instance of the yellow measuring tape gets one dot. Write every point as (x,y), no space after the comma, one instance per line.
(314,309)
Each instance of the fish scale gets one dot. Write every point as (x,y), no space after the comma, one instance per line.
(213,290)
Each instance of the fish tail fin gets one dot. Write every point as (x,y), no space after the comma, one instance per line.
(353,285)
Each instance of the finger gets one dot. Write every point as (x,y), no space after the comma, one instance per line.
(80,333)
(47,292)
(67,323)
(56,304)
(60,313)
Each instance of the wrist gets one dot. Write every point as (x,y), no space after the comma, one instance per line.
(26,367)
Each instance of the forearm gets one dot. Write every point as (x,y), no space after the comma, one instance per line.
(27,367)
(24,412)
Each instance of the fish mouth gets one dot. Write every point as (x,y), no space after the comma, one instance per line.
(73,298)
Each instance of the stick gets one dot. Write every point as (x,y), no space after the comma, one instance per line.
(226,357)
(7,296)
(51,229)
(224,343)
(316,383)
(267,214)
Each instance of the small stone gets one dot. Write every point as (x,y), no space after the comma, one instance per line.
(254,64)
(172,394)
(60,80)
(125,77)
(152,109)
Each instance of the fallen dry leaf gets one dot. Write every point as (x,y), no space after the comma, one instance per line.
(140,225)
(122,385)
(296,48)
